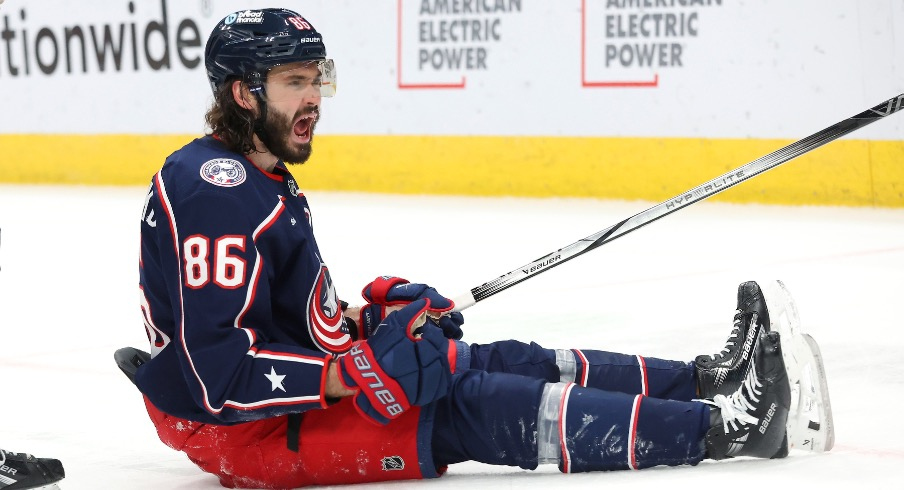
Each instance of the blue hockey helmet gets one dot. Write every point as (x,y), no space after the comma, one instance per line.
(248,43)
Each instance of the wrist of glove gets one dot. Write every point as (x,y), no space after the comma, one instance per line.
(386,294)
(403,363)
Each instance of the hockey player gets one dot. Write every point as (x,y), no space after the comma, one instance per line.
(264,378)
(21,471)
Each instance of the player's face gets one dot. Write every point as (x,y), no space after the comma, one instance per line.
(293,107)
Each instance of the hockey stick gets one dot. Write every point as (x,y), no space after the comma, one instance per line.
(683,200)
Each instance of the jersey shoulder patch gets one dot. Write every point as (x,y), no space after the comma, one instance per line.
(223,172)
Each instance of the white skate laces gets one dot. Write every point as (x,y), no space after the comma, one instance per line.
(735,409)
(733,339)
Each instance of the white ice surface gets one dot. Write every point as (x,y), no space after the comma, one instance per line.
(68,299)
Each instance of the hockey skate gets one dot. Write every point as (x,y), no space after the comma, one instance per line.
(20,471)
(723,373)
(810,424)
(751,421)
(771,308)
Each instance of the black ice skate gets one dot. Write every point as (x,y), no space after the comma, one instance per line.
(20,471)
(751,421)
(724,372)
(768,306)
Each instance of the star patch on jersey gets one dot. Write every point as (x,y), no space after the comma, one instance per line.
(325,321)
(224,172)
(276,380)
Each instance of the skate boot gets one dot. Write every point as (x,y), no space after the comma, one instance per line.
(751,421)
(724,372)
(20,471)
(810,423)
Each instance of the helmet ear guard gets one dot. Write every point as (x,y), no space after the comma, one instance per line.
(255,81)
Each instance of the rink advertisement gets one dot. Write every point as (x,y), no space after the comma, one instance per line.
(633,99)
(628,43)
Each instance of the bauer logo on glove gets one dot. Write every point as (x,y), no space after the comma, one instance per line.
(403,363)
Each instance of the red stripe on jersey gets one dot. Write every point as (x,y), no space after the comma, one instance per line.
(290,356)
(632,433)
(164,201)
(584,375)
(644,380)
(275,402)
(452,355)
(563,415)
(259,263)
(171,218)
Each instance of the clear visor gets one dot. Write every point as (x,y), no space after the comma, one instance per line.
(299,80)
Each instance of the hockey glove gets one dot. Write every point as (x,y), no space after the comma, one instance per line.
(386,294)
(403,363)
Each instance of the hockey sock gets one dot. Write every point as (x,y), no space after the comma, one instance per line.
(658,378)
(584,429)
(610,371)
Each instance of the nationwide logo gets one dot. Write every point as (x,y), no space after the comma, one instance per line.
(124,44)
(245,17)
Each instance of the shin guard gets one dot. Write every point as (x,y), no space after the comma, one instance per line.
(583,429)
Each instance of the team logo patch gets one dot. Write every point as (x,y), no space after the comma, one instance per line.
(325,321)
(223,172)
(393,463)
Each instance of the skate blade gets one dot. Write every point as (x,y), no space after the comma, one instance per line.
(783,315)
(810,425)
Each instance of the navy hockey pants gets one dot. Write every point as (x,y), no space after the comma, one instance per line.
(637,412)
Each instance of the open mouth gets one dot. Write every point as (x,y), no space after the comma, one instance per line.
(303,127)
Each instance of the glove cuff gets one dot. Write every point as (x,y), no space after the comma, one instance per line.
(359,369)
(376,291)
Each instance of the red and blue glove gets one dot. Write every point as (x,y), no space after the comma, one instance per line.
(388,293)
(403,363)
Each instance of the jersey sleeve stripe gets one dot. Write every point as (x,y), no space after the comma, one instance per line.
(171,218)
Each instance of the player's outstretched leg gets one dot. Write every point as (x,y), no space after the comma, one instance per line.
(724,372)
(751,421)
(21,471)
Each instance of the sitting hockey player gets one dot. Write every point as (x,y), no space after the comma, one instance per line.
(21,471)
(261,376)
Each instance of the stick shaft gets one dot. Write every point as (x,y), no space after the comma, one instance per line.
(683,200)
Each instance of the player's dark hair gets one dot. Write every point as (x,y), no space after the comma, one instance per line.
(230,122)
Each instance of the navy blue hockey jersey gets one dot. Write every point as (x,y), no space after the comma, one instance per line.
(238,304)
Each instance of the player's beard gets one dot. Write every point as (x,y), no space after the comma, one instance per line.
(277,132)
